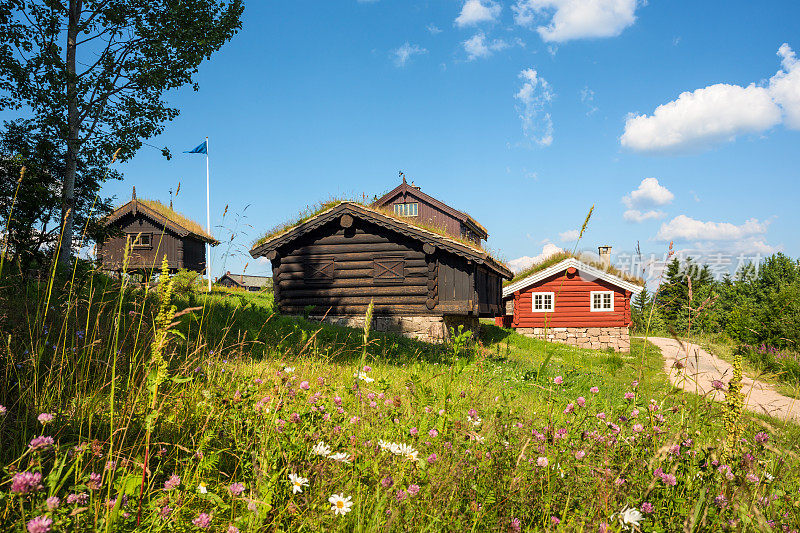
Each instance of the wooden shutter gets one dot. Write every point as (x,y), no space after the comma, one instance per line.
(388,270)
(319,270)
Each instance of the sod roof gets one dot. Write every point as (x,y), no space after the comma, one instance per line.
(165,215)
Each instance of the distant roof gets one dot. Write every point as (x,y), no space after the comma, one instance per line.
(170,218)
(405,188)
(371,214)
(562,266)
(247,280)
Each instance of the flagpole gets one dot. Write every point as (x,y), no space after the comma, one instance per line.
(208,221)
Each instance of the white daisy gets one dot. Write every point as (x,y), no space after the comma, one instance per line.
(396,449)
(363,377)
(288,369)
(341,457)
(340,504)
(630,517)
(201,488)
(474,420)
(321,449)
(384,445)
(408,452)
(297,483)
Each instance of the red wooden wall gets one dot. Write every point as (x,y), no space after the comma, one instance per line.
(572,304)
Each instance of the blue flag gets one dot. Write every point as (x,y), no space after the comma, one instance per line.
(201,149)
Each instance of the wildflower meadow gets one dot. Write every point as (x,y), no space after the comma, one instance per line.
(130,408)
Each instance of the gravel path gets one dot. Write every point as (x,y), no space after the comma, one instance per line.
(702,368)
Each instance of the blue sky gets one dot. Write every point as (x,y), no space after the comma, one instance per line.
(523,113)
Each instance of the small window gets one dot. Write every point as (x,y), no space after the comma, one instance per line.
(406,210)
(386,270)
(319,270)
(543,302)
(602,300)
(141,240)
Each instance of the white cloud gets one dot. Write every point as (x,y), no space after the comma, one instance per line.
(634,215)
(521,263)
(404,53)
(719,113)
(697,119)
(477,46)
(433,29)
(684,228)
(533,96)
(474,12)
(785,86)
(569,235)
(649,193)
(576,19)
(587,97)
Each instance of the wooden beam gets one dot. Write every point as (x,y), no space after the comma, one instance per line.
(346,220)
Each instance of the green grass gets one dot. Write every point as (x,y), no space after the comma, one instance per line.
(228,410)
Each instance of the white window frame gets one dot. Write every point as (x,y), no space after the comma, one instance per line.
(405,209)
(600,309)
(543,294)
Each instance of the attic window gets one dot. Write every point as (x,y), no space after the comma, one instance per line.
(387,270)
(141,240)
(602,300)
(406,210)
(543,302)
(319,270)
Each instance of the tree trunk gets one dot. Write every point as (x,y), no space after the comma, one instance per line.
(73,130)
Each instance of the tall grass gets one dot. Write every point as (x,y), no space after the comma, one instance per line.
(188,411)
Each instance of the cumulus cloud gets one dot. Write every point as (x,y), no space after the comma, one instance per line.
(650,192)
(404,53)
(565,20)
(684,228)
(474,12)
(785,86)
(477,46)
(534,95)
(521,263)
(569,235)
(634,215)
(719,113)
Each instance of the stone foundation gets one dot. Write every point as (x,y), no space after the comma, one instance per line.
(433,329)
(615,338)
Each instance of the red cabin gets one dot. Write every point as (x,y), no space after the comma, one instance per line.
(572,302)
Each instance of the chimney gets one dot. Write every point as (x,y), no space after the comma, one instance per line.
(605,255)
(133,195)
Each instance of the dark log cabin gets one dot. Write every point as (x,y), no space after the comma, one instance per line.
(155,231)
(409,201)
(421,282)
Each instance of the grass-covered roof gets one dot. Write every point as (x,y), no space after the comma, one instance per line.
(561,256)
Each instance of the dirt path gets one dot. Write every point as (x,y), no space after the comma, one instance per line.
(702,368)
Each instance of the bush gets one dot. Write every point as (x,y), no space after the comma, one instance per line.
(783,363)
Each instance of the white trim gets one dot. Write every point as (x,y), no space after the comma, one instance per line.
(600,309)
(543,294)
(558,268)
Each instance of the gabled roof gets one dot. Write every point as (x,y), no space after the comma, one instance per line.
(406,189)
(561,267)
(374,216)
(247,280)
(162,215)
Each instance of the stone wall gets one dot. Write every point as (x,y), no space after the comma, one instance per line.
(434,329)
(616,338)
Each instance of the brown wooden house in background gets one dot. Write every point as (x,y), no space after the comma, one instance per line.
(155,231)
(409,201)
(421,282)
(246,282)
